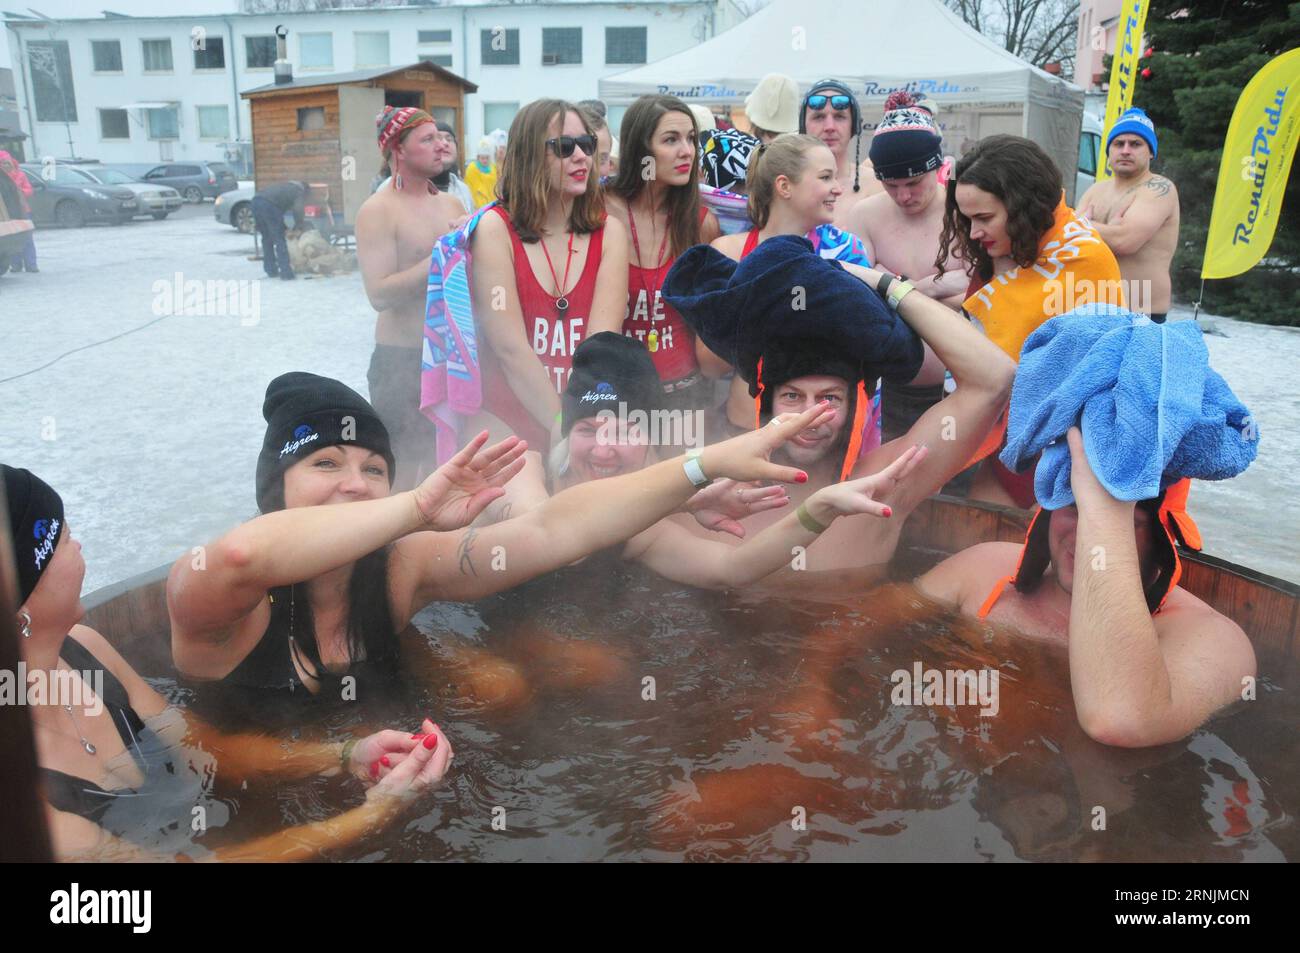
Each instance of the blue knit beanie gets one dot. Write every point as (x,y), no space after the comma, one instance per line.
(1137,123)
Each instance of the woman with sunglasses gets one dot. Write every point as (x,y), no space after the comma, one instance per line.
(549,269)
(664,217)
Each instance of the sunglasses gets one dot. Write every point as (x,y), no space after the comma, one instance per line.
(563,145)
(837,102)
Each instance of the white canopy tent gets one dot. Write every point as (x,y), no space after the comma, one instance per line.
(876,47)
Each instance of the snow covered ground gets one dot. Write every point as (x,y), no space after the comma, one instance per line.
(152,437)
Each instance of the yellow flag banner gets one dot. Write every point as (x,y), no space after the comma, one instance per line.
(1257,154)
(1123,72)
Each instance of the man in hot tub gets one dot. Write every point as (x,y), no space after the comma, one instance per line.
(1149,662)
(801,329)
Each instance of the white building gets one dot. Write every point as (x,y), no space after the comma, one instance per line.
(146,88)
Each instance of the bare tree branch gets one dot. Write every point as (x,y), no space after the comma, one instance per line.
(1039,31)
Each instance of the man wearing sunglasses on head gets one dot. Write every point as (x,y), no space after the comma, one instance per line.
(830,112)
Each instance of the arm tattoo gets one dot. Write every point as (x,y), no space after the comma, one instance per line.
(463,553)
(1159,185)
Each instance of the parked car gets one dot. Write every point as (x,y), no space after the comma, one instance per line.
(195,181)
(156,200)
(71,202)
(234,208)
(1089,147)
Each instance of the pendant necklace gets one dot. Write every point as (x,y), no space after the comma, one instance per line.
(652,339)
(561,299)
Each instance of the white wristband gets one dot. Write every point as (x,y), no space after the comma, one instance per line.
(695,472)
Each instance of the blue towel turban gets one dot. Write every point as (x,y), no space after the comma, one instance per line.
(797,312)
(1151,409)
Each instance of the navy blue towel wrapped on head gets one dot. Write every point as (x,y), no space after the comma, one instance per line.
(796,312)
(1151,409)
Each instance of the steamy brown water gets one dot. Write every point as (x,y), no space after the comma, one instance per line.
(648,722)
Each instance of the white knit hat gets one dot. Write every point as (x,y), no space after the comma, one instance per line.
(774,104)
(704,120)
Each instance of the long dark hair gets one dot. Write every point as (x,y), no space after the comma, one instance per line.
(1024,178)
(635,143)
(371,633)
(524,187)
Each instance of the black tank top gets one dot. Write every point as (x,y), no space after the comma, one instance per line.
(75,795)
(270,666)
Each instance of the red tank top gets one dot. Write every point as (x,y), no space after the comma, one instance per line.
(553,335)
(654,322)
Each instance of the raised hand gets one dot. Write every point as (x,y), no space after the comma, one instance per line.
(1089,493)
(868,494)
(719,506)
(453,495)
(745,458)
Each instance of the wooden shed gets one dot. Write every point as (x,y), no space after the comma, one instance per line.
(321,129)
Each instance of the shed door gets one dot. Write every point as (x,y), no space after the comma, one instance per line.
(358,107)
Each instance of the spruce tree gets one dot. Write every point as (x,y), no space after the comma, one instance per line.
(1205,51)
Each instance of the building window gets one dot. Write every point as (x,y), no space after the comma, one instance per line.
(114,124)
(212,55)
(433,36)
(214,122)
(106,56)
(259,52)
(164,123)
(311,117)
(498,116)
(157,56)
(437,59)
(316,50)
(372,49)
(561,45)
(624,45)
(51,68)
(499,47)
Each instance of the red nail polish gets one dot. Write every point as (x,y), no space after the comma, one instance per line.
(431,742)
(374,769)
(888,511)
(801,478)
(417,736)
(385,762)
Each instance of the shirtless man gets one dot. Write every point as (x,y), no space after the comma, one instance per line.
(802,366)
(1136,214)
(830,112)
(1138,679)
(396,231)
(903,224)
